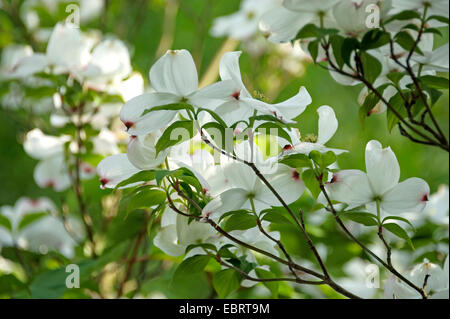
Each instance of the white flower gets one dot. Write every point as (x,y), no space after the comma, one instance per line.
(177,233)
(381,183)
(243,186)
(351,15)
(282,24)
(175,79)
(12,55)
(328,125)
(243,24)
(437,208)
(436,278)
(115,169)
(47,233)
(435,7)
(240,104)
(141,151)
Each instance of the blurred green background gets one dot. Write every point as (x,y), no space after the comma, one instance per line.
(142,24)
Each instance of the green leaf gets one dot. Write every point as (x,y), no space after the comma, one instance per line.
(310,180)
(143,176)
(397,104)
(276,218)
(30,219)
(240,221)
(433,31)
(348,47)
(176,133)
(363,218)
(170,107)
(191,265)
(225,282)
(406,41)
(268,128)
(395,77)
(399,232)
(296,161)
(371,66)
(398,218)
(271,285)
(439,18)
(214,115)
(404,15)
(313,48)
(435,82)
(374,39)
(145,199)
(336,44)
(4,222)
(308,31)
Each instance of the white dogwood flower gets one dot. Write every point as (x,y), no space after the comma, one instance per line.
(380,184)
(174,78)
(243,24)
(328,125)
(241,105)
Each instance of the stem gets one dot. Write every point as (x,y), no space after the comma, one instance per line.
(365,248)
(325,280)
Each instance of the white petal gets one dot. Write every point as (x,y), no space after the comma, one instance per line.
(176,73)
(328,124)
(66,48)
(167,241)
(309,5)
(306,148)
(382,167)
(282,25)
(138,124)
(41,146)
(294,106)
(29,65)
(214,95)
(192,232)
(350,187)
(287,181)
(141,152)
(52,172)
(229,70)
(115,169)
(230,200)
(410,195)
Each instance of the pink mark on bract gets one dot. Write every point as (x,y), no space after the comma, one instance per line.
(104,181)
(128,124)
(287,147)
(425,198)
(236,95)
(295,175)
(334,179)
(50,184)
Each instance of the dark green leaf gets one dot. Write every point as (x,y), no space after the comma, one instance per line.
(226,281)
(178,132)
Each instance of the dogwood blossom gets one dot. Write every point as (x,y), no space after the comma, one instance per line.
(379,185)
(435,277)
(328,125)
